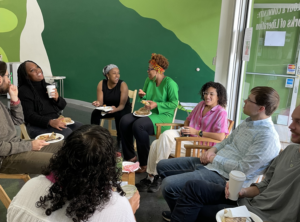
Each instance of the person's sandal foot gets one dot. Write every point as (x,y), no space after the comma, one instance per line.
(142,169)
(143,185)
(134,159)
(166,215)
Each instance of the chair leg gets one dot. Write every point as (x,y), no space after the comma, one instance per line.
(25,177)
(4,198)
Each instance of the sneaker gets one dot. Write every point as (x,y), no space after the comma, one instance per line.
(143,185)
(155,185)
(166,215)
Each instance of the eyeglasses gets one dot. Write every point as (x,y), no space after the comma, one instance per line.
(8,76)
(249,100)
(211,94)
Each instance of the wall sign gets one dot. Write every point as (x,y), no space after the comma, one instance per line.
(291,69)
(289,83)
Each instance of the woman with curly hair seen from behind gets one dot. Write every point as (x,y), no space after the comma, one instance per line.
(161,95)
(77,185)
(208,119)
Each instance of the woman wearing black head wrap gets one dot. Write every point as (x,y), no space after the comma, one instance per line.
(112,92)
(41,112)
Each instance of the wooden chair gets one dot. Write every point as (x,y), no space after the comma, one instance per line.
(24,133)
(3,196)
(113,132)
(200,143)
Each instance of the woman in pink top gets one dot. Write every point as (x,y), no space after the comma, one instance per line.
(208,119)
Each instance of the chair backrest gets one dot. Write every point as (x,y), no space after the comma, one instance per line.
(230,125)
(132,95)
(175,112)
(24,133)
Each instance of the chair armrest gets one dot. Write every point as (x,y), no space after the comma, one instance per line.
(189,147)
(159,125)
(196,139)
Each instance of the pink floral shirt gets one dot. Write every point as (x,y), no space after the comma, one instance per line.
(214,121)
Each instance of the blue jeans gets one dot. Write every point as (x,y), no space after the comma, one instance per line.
(200,201)
(34,131)
(177,171)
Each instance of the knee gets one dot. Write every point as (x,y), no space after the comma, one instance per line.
(161,166)
(66,132)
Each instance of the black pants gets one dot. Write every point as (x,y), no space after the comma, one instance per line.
(200,201)
(140,128)
(97,117)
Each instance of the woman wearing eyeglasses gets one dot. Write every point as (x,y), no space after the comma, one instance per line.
(41,112)
(208,119)
(161,93)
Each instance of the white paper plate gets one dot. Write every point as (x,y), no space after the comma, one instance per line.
(125,163)
(72,122)
(105,108)
(52,141)
(256,218)
(142,115)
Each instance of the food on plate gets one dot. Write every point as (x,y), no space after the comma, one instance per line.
(65,119)
(104,105)
(131,167)
(142,111)
(232,219)
(48,137)
(145,102)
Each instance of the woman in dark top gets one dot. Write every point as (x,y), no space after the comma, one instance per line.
(112,92)
(41,112)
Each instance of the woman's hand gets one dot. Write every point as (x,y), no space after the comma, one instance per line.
(189,130)
(114,109)
(58,124)
(96,103)
(54,94)
(135,201)
(141,93)
(151,105)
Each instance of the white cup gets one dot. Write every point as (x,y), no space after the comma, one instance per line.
(50,89)
(236,180)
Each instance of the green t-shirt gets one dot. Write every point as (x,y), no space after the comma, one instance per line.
(166,97)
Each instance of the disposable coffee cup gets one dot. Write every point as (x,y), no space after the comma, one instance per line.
(236,180)
(50,89)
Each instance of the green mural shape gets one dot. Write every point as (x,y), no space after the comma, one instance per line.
(3,54)
(195,23)
(80,46)
(10,41)
(8,20)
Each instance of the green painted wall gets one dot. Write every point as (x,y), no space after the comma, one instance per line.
(82,41)
(12,21)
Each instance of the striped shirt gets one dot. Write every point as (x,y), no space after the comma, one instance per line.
(249,148)
(214,121)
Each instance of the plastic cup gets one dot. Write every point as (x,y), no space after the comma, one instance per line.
(184,135)
(236,180)
(129,190)
(50,89)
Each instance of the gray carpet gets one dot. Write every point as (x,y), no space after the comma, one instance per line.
(151,205)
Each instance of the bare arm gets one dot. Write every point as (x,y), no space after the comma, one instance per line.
(99,101)
(123,97)
(248,192)
(215,136)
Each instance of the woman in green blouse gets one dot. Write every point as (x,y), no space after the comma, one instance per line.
(161,92)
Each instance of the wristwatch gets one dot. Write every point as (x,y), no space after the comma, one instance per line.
(200,133)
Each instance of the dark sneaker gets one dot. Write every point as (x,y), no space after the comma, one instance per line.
(143,185)
(166,215)
(155,185)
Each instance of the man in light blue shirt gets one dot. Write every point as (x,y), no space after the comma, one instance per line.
(250,149)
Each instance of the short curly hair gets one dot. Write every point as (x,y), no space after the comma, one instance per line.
(221,92)
(160,60)
(85,173)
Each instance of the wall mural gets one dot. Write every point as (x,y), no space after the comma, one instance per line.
(78,38)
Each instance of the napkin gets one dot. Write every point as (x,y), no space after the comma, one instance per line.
(241,211)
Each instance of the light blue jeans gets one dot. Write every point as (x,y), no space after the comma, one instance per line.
(177,171)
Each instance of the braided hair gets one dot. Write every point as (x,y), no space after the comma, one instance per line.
(23,79)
